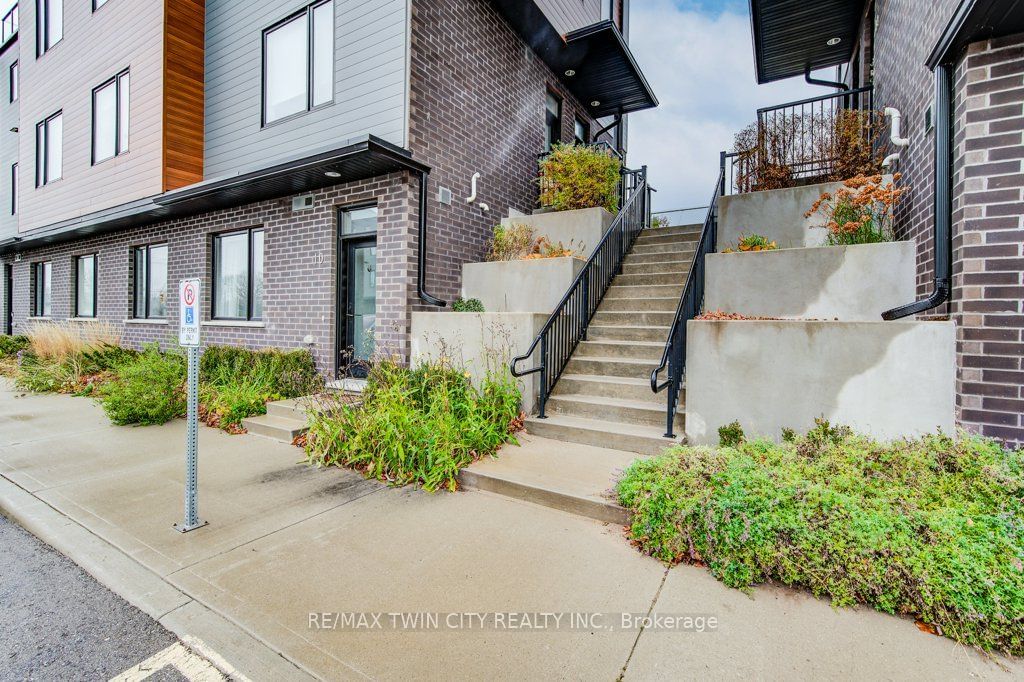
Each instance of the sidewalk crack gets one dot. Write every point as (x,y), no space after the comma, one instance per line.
(650,610)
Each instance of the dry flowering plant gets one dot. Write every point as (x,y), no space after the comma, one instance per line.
(861,211)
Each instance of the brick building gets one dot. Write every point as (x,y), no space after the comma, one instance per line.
(296,155)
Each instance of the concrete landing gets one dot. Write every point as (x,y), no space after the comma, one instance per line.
(570,477)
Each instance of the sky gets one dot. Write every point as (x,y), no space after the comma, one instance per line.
(698,57)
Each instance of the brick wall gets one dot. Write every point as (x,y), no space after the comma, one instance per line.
(477,105)
(300,260)
(988,246)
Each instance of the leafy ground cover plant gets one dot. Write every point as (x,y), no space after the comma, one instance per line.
(11,345)
(511,243)
(861,211)
(659,221)
(468,305)
(753,242)
(68,358)
(149,389)
(579,176)
(415,425)
(931,528)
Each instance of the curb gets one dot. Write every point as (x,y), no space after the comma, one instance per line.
(233,650)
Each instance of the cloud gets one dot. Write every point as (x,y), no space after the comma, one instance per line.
(698,58)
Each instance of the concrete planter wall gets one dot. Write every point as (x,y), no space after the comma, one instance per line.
(583,228)
(886,379)
(530,286)
(479,341)
(831,282)
(777,214)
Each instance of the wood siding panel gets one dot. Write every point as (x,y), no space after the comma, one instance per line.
(96,46)
(370,82)
(183,121)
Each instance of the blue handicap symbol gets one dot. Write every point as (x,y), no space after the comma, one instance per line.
(190,315)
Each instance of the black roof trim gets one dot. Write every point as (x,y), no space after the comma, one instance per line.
(364,158)
(976,20)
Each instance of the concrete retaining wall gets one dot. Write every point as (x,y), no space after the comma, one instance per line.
(777,214)
(530,286)
(831,282)
(580,230)
(886,379)
(480,341)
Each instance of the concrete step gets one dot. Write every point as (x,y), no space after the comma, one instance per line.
(634,317)
(618,332)
(642,280)
(681,268)
(658,256)
(293,408)
(657,291)
(677,238)
(652,304)
(643,248)
(636,350)
(571,477)
(278,428)
(641,439)
(675,229)
(627,388)
(601,365)
(613,410)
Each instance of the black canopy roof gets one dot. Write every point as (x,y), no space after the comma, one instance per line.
(976,20)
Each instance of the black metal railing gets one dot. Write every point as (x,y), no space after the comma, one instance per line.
(9,24)
(568,324)
(803,141)
(690,303)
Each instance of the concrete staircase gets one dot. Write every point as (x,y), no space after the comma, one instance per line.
(604,397)
(284,420)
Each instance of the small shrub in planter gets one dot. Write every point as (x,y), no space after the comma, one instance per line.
(468,305)
(149,389)
(579,176)
(860,212)
(753,242)
(514,242)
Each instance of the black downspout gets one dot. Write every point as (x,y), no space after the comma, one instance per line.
(943,201)
(421,269)
(827,84)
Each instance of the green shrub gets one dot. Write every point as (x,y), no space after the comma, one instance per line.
(149,389)
(931,528)
(10,345)
(514,242)
(579,176)
(468,305)
(226,405)
(421,425)
(731,435)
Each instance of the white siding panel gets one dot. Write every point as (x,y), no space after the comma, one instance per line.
(8,143)
(569,15)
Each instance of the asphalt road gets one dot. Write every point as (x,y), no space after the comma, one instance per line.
(58,623)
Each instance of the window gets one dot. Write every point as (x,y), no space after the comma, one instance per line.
(110,118)
(41,288)
(85,286)
(581,131)
(298,63)
(14,82)
(49,154)
(359,221)
(96,4)
(49,24)
(150,281)
(238,275)
(552,122)
(14,189)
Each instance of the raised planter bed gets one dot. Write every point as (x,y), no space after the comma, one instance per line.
(520,286)
(885,379)
(581,229)
(771,213)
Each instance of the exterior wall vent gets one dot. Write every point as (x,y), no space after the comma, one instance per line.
(302,203)
(444,195)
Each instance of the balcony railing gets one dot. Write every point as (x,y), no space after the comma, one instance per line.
(9,25)
(823,138)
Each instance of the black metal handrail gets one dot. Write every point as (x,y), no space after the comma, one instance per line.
(690,303)
(568,324)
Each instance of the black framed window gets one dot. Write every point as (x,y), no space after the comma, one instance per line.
(238,275)
(13,82)
(49,24)
(552,121)
(49,149)
(110,108)
(42,281)
(96,4)
(14,189)
(150,282)
(581,131)
(298,63)
(86,285)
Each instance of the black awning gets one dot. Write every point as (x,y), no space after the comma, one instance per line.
(794,36)
(976,20)
(602,67)
(366,158)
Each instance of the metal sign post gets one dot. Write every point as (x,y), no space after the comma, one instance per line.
(188,336)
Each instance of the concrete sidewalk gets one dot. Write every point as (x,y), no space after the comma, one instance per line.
(286,541)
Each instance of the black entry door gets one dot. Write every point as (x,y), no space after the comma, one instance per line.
(358,298)
(8,299)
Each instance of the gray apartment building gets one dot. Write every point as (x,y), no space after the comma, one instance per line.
(309,160)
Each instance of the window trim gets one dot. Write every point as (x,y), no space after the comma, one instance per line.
(250,231)
(13,73)
(43,27)
(97,4)
(581,122)
(116,81)
(95,285)
(549,144)
(14,188)
(42,157)
(147,248)
(308,11)
(38,304)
